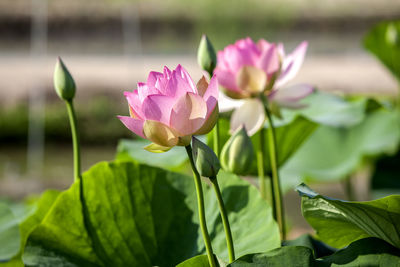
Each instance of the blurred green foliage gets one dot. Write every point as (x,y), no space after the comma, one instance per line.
(383,41)
(97,122)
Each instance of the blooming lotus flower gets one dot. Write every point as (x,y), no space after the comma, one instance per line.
(247,69)
(169,108)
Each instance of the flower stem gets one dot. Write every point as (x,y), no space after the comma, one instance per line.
(75,140)
(225,221)
(276,187)
(216,138)
(264,181)
(349,188)
(260,164)
(200,203)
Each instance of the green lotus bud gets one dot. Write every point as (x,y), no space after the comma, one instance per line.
(63,81)
(206,56)
(392,35)
(238,153)
(207,163)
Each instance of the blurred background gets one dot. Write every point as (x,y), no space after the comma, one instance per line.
(111,45)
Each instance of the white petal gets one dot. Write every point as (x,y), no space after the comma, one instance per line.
(227,104)
(250,114)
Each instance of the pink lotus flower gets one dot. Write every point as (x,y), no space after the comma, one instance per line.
(169,108)
(246,69)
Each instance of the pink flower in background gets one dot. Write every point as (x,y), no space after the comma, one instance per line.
(246,69)
(169,108)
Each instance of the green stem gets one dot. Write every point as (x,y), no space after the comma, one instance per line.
(75,140)
(216,138)
(276,187)
(225,221)
(200,203)
(398,97)
(264,181)
(260,164)
(78,177)
(349,189)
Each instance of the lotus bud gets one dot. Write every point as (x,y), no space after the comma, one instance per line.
(206,56)
(207,163)
(392,37)
(238,153)
(63,81)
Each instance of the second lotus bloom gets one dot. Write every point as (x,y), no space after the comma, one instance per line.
(169,108)
(246,69)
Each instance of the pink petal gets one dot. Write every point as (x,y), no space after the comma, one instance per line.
(212,89)
(269,61)
(158,108)
(246,43)
(144,91)
(182,85)
(211,95)
(163,80)
(186,77)
(289,96)
(227,79)
(236,57)
(263,45)
(167,72)
(251,114)
(134,103)
(176,85)
(132,124)
(291,64)
(221,61)
(153,78)
(188,114)
(249,51)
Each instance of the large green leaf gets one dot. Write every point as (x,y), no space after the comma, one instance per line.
(333,153)
(319,248)
(138,215)
(199,261)
(63,230)
(365,252)
(294,256)
(331,110)
(9,233)
(338,223)
(41,207)
(196,261)
(134,150)
(28,215)
(383,41)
